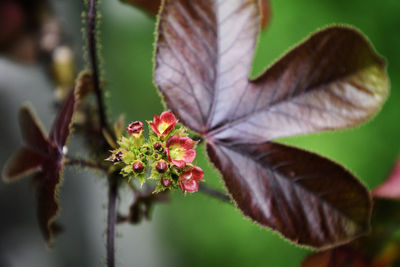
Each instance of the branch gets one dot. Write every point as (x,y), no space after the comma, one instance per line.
(92,45)
(214,193)
(111,220)
(86,164)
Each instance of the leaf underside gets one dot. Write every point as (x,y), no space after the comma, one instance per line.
(300,194)
(153,6)
(44,157)
(333,80)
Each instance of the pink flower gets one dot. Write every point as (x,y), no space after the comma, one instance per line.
(164,124)
(180,150)
(135,128)
(189,180)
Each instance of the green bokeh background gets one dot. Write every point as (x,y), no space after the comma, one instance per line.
(199,231)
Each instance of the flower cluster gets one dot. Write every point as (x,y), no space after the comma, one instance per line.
(166,156)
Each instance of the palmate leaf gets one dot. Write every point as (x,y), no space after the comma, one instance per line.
(379,248)
(333,80)
(43,156)
(153,6)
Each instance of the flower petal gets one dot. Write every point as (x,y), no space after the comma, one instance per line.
(168,117)
(154,127)
(179,163)
(189,186)
(197,173)
(190,155)
(169,129)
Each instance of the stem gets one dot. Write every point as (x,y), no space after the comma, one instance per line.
(92,14)
(86,164)
(214,193)
(111,220)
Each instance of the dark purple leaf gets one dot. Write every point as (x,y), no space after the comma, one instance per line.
(45,157)
(62,125)
(338,257)
(150,6)
(31,130)
(333,80)
(26,161)
(378,248)
(300,194)
(153,6)
(391,187)
(46,186)
(265,11)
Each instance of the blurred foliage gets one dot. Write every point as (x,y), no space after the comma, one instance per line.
(199,231)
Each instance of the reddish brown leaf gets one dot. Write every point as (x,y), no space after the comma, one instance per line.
(23,163)
(337,257)
(153,6)
(391,187)
(300,194)
(319,259)
(46,184)
(62,125)
(150,6)
(31,130)
(265,11)
(333,80)
(46,157)
(377,249)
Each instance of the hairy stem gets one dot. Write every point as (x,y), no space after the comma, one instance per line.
(92,47)
(86,164)
(214,193)
(111,220)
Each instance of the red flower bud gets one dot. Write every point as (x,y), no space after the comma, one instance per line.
(157,146)
(161,166)
(164,124)
(166,182)
(189,179)
(138,167)
(135,127)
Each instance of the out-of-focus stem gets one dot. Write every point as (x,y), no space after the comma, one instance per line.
(111,220)
(92,47)
(214,193)
(86,164)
